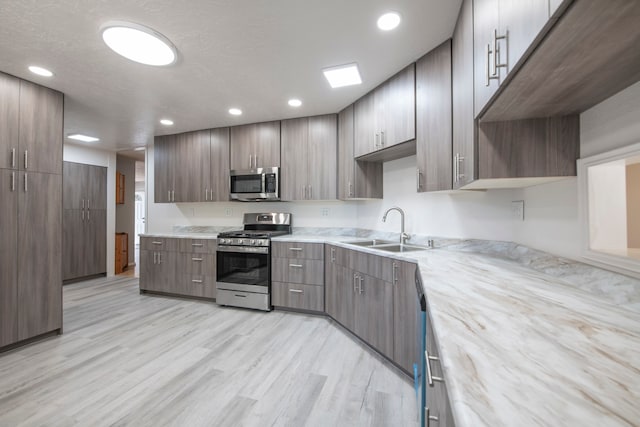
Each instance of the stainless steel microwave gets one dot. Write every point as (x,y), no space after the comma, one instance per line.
(255,184)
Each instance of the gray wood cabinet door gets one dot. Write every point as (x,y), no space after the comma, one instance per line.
(8,257)
(242,146)
(9,121)
(322,157)
(95,238)
(96,188)
(39,254)
(74,183)
(373,310)
(147,269)
(163,174)
(339,294)
(73,243)
(485,22)
(462,90)
(434,128)
(437,397)
(41,120)
(398,122)
(365,140)
(218,166)
(267,150)
(188,165)
(406,316)
(295,141)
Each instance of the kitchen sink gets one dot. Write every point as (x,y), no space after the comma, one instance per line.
(400,248)
(369,243)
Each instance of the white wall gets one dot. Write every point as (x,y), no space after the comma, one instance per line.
(92,156)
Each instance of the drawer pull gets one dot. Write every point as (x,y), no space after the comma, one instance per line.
(197,245)
(156,243)
(295,265)
(239,296)
(430,377)
(196,259)
(196,281)
(296,291)
(295,249)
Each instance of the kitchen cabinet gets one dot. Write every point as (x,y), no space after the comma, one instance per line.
(406,315)
(84,220)
(255,145)
(309,158)
(339,289)
(216,169)
(385,117)
(438,407)
(184,267)
(31,119)
(464,147)
(163,168)
(434,116)
(503,31)
(297,275)
(356,179)
(373,308)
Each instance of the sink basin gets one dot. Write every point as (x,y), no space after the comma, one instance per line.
(369,243)
(400,248)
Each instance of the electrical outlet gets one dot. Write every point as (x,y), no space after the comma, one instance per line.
(517,210)
(228,211)
(325,211)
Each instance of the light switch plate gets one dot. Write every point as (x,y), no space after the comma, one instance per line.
(325,211)
(517,210)
(228,211)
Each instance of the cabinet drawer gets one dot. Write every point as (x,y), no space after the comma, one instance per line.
(297,250)
(159,244)
(304,297)
(197,246)
(306,271)
(197,264)
(195,286)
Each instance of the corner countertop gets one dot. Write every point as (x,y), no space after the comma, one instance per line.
(521,347)
(173,235)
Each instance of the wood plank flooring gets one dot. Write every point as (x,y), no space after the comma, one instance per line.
(127,359)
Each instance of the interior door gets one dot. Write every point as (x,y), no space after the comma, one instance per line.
(8,257)
(39,254)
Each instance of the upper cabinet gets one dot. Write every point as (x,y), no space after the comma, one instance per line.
(309,158)
(216,170)
(31,120)
(503,31)
(356,179)
(190,162)
(433,127)
(256,145)
(386,116)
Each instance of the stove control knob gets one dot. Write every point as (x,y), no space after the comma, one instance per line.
(253,242)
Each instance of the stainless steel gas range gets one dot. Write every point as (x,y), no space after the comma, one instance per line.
(243,277)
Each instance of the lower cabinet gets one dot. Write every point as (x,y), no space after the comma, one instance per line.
(185,267)
(298,296)
(373,308)
(406,316)
(438,408)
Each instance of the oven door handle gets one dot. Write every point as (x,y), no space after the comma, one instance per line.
(244,249)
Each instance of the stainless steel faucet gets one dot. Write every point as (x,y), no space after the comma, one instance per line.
(403,236)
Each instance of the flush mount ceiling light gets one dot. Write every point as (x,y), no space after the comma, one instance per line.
(295,102)
(343,75)
(83,138)
(139,43)
(235,111)
(166,122)
(389,21)
(139,149)
(40,71)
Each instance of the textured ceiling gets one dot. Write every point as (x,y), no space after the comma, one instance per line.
(251,54)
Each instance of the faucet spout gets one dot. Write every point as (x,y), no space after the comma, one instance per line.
(403,236)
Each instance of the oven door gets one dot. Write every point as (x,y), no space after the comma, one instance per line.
(242,268)
(255,184)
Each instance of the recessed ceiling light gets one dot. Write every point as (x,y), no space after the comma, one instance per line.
(166,122)
(343,75)
(139,43)
(139,149)
(295,102)
(83,138)
(235,111)
(40,71)
(389,21)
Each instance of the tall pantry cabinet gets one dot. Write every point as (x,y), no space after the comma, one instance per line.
(31,120)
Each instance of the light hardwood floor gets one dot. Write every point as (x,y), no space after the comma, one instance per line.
(141,360)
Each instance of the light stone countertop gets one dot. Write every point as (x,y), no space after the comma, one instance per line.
(179,235)
(520,347)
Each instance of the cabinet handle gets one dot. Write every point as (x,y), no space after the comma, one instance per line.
(196,281)
(355,283)
(430,377)
(333,254)
(173,195)
(460,160)
(350,189)
(155,242)
(488,75)
(159,258)
(382,139)
(395,273)
(296,291)
(375,140)
(26,185)
(310,192)
(361,280)
(304,192)
(496,52)
(13,157)
(155,258)
(196,259)
(255,161)
(250,161)
(83,213)
(295,265)
(206,194)
(239,295)
(455,168)
(197,245)
(169,195)
(295,249)
(418,186)
(26,159)
(13,182)
(430,418)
